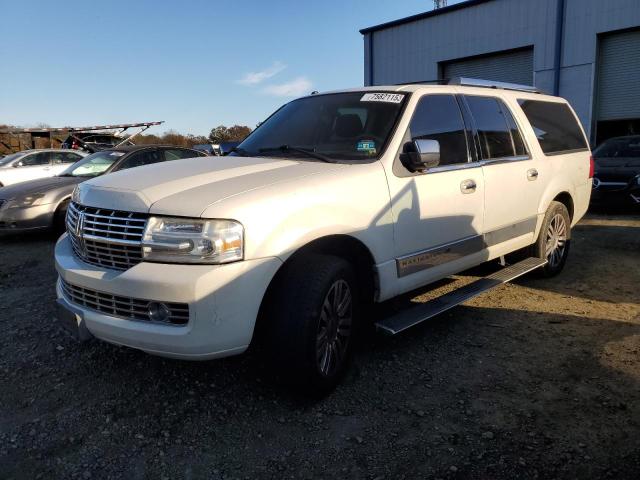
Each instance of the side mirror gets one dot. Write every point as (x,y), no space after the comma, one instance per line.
(420,155)
(18,164)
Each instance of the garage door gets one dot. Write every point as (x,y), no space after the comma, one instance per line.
(513,67)
(619,76)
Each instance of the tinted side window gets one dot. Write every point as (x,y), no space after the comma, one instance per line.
(438,117)
(493,131)
(178,153)
(555,126)
(139,159)
(516,136)
(36,159)
(64,157)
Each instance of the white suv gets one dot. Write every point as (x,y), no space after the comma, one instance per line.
(335,202)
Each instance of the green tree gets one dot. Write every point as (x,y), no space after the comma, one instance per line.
(236,133)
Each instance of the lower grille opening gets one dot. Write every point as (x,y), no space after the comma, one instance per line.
(126,307)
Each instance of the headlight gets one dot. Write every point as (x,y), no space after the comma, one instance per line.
(27,201)
(186,240)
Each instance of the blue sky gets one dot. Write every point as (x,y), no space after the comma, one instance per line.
(193,63)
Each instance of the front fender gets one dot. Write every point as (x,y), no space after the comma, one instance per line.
(279,219)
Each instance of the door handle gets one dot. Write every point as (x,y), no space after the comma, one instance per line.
(468,186)
(532,174)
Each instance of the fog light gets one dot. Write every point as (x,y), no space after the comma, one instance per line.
(158,312)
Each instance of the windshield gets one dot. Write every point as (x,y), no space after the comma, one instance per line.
(349,126)
(9,158)
(619,148)
(93,165)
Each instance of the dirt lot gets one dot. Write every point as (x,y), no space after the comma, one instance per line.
(538,379)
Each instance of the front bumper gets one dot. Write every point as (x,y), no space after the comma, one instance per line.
(27,218)
(223,303)
(622,197)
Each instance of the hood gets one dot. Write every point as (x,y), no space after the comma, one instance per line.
(41,185)
(187,187)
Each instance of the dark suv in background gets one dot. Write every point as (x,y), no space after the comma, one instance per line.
(616,179)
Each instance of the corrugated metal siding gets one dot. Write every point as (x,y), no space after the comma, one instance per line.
(411,52)
(514,67)
(619,76)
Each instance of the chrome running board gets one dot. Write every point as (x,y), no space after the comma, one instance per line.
(424,311)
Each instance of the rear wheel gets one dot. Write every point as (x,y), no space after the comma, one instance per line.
(554,239)
(312,317)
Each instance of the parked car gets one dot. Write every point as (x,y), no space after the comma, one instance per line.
(42,203)
(32,164)
(616,180)
(336,202)
(208,148)
(227,147)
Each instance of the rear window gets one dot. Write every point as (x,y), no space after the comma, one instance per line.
(555,126)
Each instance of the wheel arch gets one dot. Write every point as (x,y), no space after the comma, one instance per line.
(567,200)
(344,246)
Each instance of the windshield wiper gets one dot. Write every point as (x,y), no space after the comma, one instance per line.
(306,151)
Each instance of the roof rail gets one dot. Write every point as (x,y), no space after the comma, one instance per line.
(478,82)
(425,82)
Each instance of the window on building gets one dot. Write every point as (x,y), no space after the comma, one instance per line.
(494,131)
(438,117)
(555,126)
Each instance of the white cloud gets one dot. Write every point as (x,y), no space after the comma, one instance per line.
(254,78)
(295,88)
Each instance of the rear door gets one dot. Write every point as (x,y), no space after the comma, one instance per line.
(513,178)
(438,213)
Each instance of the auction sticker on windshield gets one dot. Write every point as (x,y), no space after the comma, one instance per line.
(382,97)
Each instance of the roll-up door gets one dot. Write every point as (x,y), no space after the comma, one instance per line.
(513,67)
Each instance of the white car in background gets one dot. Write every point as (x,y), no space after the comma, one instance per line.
(33,164)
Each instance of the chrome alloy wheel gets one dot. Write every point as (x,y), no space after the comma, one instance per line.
(556,240)
(334,328)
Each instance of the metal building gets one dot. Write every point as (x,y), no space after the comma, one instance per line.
(587,51)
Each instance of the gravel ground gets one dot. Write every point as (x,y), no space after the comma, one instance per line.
(536,379)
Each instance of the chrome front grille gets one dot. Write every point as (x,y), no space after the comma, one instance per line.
(124,307)
(106,238)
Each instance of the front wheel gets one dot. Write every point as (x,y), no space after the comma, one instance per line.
(311,321)
(554,239)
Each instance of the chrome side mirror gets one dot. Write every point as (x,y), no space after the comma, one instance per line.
(420,155)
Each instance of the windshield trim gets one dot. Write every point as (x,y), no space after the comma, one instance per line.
(385,146)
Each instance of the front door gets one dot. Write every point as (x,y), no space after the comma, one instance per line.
(30,167)
(438,214)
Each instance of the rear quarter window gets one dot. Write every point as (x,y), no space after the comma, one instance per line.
(554,125)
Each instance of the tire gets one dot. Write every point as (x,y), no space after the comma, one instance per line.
(312,318)
(554,239)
